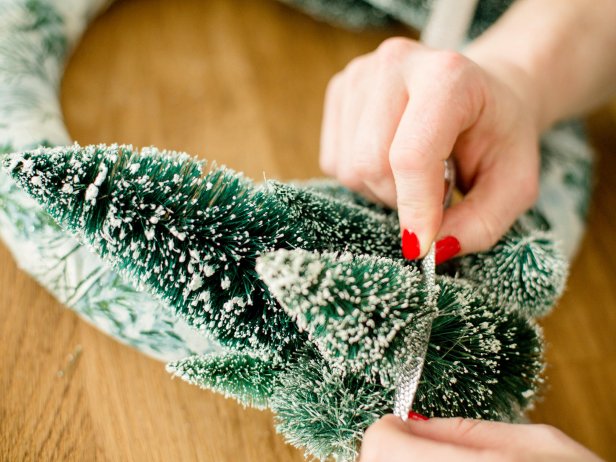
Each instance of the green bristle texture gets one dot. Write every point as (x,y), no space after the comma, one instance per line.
(320,337)
(333,189)
(482,362)
(324,412)
(188,235)
(339,225)
(245,378)
(352,307)
(524,271)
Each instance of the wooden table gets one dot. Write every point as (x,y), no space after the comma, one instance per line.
(241,82)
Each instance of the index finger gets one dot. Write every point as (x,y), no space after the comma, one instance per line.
(424,139)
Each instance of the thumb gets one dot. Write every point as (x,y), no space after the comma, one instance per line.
(497,198)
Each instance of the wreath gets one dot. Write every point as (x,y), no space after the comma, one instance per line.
(291,296)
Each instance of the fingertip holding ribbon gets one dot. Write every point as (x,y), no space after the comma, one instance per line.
(416,416)
(447,247)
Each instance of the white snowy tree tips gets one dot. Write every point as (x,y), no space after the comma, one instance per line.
(187,234)
(361,312)
(323,411)
(352,307)
(247,379)
(336,223)
(527,268)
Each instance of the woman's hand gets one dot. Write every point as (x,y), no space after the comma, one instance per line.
(393,116)
(461,440)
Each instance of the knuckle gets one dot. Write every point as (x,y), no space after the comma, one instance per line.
(355,66)
(371,433)
(333,85)
(451,63)
(491,235)
(348,178)
(332,92)
(393,48)
(371,440)
(404,158)
(464,426)
(370,165)
(531,193)
(529,188)
(327,165)
(399,160)
(453,71)
(550,434)
(461,92)
(490,228)
(364,169)
(335,81)
(382,424)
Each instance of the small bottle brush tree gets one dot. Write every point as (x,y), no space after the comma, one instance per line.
(361,311)
(305,287)
(522,266)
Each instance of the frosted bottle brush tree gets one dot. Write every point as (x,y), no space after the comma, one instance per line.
(305,288)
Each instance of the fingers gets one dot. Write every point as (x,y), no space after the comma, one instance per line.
(445,99)
(391,119)
(389,440)
(355,89)
(331,126)
(344,102)
(374,136)
(499,195)
(378,123)
(470,433)
(496,437)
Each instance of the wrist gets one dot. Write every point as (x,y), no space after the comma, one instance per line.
(521,81)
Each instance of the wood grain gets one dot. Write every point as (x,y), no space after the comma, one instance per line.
(241,82)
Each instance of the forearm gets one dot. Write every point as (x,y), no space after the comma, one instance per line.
(565,50)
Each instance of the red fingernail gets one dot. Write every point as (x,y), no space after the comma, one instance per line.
(410,245)
(446,248)
(415,416)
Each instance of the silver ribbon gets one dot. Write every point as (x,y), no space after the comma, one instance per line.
(409,373)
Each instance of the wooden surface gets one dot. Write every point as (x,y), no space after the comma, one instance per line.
(241,82)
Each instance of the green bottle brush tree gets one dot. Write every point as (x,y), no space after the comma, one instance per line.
(305,288)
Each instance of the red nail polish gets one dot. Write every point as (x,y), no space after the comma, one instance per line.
(410,245)
(415,416)
(446,248)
